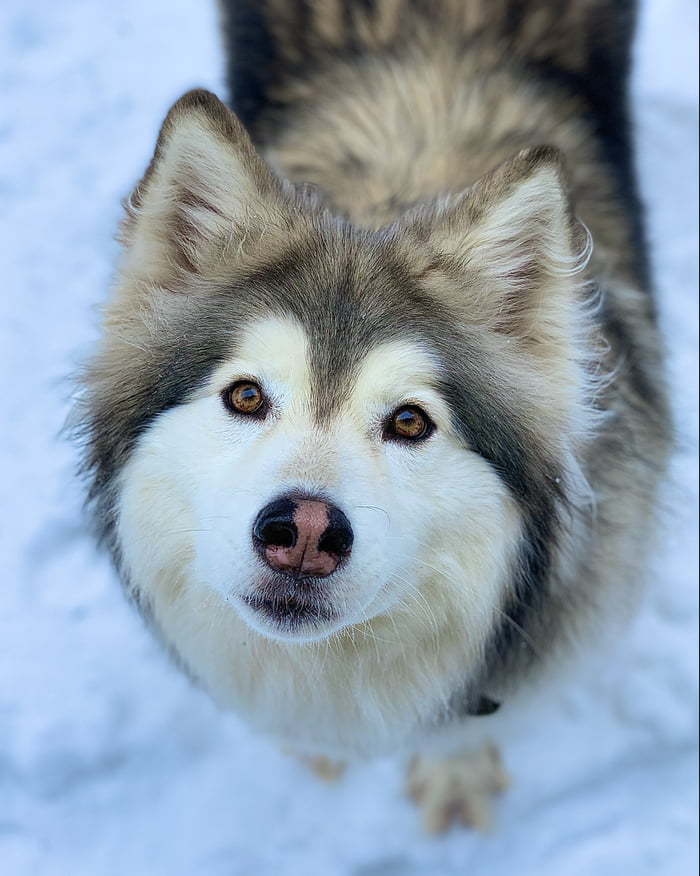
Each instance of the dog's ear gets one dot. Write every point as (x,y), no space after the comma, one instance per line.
(508,252)
(206,194)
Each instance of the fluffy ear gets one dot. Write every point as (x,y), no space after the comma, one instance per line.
(206,194)
(510,250)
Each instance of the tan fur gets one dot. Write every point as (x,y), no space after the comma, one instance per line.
(457,789)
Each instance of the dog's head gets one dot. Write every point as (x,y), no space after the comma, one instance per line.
(323,427)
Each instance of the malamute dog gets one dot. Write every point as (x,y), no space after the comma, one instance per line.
(377,420)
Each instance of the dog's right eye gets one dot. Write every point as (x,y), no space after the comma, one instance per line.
(247,398)
(409,424)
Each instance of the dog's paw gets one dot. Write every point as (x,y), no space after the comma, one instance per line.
(324,768)
(456,790)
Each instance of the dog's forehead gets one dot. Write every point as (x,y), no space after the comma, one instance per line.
(276,348)
(280,350)
(394,368)
(326,311)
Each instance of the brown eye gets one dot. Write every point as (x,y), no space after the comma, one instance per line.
(246,397)
(409,423)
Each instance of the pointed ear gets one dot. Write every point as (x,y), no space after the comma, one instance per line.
(206,193)
(512,249)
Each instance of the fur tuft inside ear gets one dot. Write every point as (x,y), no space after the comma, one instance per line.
(205,192)
(508,257)
(516,251)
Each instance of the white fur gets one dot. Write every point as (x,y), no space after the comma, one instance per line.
(434,533)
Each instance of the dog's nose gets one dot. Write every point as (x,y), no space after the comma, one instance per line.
(307,537)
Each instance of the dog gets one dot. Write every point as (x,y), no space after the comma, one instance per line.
(378,417)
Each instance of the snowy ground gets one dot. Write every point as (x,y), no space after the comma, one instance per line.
(109,762)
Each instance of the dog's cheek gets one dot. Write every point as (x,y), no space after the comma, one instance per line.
(181,501)
(461,528)
(227,489)
(155,522)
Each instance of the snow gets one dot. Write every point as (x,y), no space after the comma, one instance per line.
(110,763)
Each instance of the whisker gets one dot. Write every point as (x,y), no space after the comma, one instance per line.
(376,508)
(443,572)
(516,626)
(429,615)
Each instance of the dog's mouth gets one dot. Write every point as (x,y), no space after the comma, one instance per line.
(289,613)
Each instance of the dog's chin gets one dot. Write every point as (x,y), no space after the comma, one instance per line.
(289,618)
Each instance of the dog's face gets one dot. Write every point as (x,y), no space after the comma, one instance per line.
(310,507)
(310,431)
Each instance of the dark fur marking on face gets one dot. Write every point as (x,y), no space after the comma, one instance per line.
(490,429)
(533,478)
(525,610)
(176,365)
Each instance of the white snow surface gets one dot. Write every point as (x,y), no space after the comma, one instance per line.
(110,763)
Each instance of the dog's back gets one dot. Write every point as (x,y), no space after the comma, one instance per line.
(274,46)
(366,98)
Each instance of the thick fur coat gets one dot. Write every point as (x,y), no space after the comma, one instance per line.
(404,287)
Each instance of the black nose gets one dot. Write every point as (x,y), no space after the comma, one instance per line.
(306,536)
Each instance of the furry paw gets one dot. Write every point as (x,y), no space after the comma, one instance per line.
(323,768)
(456,790)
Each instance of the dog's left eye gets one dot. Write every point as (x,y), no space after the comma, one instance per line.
(246,397)
(409,423)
